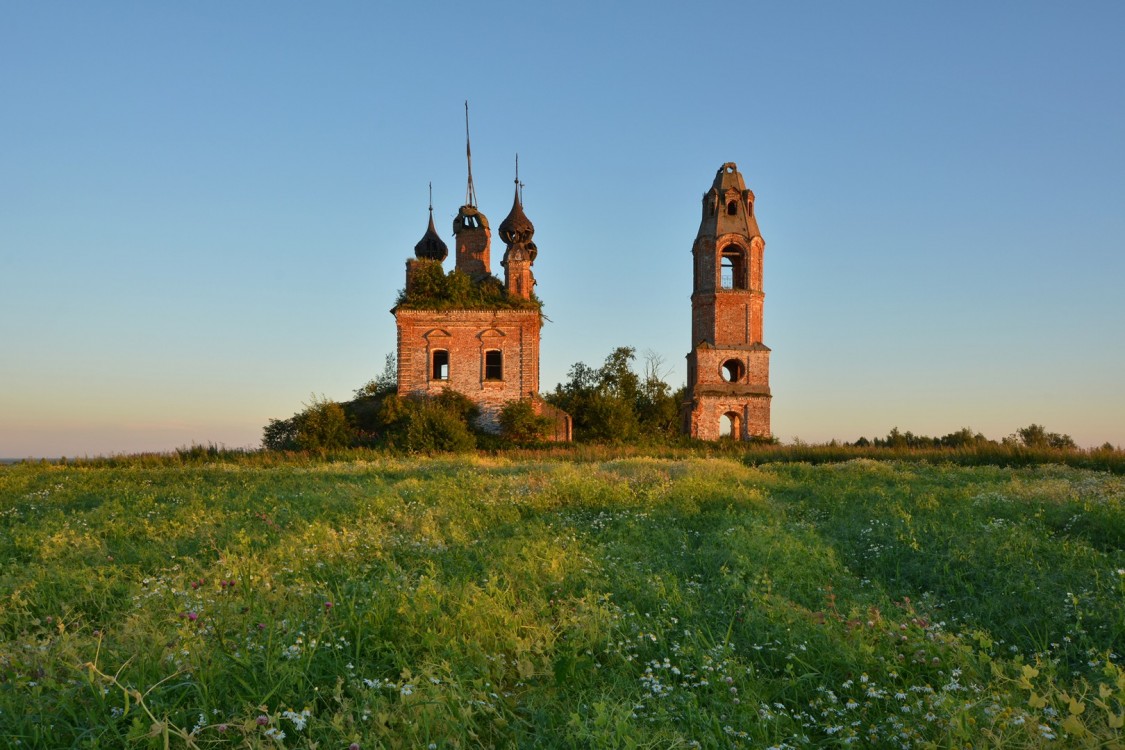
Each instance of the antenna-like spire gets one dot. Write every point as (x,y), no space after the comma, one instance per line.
(519,186)
(470,192)
(431,198)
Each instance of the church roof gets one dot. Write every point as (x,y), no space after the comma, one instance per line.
(516,227)
(431,246)
(728,205)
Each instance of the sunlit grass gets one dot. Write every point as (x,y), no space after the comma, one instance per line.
(533,600)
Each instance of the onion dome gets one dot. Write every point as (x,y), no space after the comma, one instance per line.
(431,247)
(516,230)
(516,227)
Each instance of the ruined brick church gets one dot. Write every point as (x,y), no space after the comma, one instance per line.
(469,331)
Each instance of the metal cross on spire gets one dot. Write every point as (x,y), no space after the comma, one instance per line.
(470,191)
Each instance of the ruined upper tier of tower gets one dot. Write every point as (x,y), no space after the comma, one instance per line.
(728,207)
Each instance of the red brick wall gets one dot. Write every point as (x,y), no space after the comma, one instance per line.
(467,335)
(753,416)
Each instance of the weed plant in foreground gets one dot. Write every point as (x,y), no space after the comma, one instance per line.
(637,602)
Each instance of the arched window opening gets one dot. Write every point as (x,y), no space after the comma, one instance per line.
(493,365)
(440,369)
(733,269)
(733,370)
(732,208)
(729,426)
(749,208)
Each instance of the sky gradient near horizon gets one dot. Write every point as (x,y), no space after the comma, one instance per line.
(205,209)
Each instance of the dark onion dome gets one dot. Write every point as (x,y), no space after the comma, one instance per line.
(517,229)
(431,247)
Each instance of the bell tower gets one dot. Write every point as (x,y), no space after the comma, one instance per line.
(728,390)
(470,226)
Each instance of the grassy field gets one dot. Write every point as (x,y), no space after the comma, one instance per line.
(523,601)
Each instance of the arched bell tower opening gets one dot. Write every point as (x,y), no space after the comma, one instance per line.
(728,366)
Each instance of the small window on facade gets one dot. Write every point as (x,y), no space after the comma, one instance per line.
(493,365)
(733,370)
(732,208)
(749,207)
(441,365)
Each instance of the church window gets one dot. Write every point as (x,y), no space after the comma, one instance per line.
(733,370)
(732,208)
(441,365)
(493,365)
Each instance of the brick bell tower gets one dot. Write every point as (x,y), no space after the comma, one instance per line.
(728,388)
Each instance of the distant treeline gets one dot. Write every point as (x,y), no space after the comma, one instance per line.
(1032,436)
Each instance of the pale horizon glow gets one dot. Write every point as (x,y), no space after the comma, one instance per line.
(205,211)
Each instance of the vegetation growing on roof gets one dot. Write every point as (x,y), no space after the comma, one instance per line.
(431,288)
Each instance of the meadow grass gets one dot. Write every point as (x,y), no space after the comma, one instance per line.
(531,599)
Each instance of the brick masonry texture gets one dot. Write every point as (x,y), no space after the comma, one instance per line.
(466,336)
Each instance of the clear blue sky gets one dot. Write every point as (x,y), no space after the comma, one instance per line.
(205,208)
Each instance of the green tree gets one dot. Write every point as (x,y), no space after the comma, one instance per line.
(385,384)
(606,403)
(1036,436)
(280,435)
(963,438)
(658,406)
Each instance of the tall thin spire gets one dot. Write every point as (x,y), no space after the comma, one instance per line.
(470,191)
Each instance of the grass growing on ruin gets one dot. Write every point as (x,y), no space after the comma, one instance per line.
(637,602)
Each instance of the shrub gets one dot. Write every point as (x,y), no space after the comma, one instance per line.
(321,426)
(428,425)
(433,289)
(520,423)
